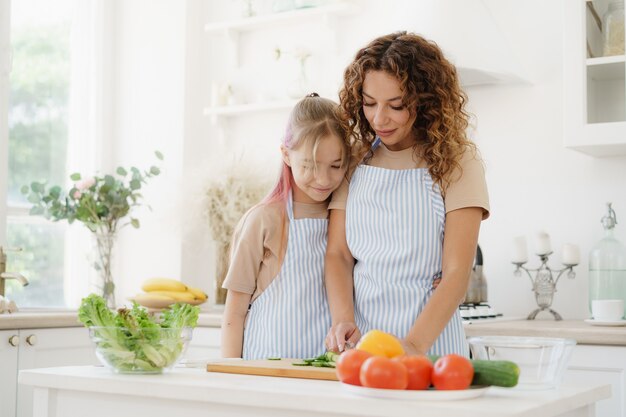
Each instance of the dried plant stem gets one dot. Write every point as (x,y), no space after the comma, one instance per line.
(227,200)
(221,270)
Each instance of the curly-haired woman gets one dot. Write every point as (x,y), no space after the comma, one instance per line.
(411,211)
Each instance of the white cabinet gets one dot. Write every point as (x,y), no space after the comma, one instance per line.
(205,344)
(601,364)
(37,348)
(593,85)
(8,371)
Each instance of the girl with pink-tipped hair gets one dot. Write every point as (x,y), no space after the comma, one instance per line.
(276,304)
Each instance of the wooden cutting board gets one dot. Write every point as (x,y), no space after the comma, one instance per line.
(281,368)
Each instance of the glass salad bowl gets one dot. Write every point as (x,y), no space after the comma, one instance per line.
(150,350)
(542,360)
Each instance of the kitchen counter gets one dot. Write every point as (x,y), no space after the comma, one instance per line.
(71,391)
(42,319)
(584,333)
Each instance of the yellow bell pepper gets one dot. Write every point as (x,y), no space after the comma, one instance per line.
(380,343)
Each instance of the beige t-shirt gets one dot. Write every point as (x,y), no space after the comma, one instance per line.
(468,190)
(258,249)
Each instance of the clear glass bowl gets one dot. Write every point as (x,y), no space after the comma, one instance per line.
(140,351)
(542,360)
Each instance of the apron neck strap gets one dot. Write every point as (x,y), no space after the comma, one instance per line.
(370,153)
(290,205)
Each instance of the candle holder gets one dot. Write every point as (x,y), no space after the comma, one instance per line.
(544,284)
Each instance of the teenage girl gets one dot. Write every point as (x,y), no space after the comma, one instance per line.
(276,304)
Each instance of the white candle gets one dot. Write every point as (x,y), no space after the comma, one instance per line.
(542,244)
(571,254)
(520,253)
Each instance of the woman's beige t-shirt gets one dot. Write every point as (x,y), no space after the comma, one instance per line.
(258,249)
(467,190)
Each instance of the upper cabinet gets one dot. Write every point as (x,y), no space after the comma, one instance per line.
(594,73)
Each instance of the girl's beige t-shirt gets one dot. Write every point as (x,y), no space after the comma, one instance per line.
(467,190)
(258,248)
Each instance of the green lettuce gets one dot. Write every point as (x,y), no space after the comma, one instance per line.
(132,339)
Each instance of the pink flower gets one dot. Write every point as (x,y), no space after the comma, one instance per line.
(85,183)
(77,194)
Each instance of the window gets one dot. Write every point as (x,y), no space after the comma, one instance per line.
(46,116)
(37,144)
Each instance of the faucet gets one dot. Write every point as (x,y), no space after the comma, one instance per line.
(15,275)
(9,275)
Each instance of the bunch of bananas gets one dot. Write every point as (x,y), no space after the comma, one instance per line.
(161,292)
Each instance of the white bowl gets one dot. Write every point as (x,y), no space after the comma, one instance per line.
(542,360)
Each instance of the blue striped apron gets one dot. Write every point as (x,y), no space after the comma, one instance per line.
(291,317)
(394,227)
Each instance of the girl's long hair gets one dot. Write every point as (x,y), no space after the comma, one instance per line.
(431,92)
(312,119)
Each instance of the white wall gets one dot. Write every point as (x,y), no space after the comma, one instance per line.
(534,182)
(163,79)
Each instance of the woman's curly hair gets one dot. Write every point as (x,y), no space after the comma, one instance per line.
(431,92)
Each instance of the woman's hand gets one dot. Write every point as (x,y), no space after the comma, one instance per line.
(342,336)
(410,348)
(436,283)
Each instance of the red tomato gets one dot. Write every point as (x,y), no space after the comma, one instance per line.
(452,372)
(419,369)
(381,372)
(349,365)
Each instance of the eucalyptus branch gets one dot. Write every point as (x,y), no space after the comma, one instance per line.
(99,202)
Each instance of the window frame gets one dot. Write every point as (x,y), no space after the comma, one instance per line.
(5,68)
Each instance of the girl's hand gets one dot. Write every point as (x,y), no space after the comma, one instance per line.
(342,336)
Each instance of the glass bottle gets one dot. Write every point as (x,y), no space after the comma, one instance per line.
(613,28)
(607,264)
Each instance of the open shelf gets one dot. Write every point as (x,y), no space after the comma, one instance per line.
(606,68)
(270,20)
(241,109)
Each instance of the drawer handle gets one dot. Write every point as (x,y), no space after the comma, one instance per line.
(14,340)
(31,340)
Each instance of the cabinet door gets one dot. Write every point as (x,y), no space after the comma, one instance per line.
(601,364)
(593,85)
(44,348)
(205,344)
(8,371)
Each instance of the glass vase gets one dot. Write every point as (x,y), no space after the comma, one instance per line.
(104,245)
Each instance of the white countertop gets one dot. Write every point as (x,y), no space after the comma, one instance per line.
(69,318)
(310,396)
(584,333)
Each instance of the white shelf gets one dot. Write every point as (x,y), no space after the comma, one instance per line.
(603,60)
(240,109)
(606,68)
(271,20)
